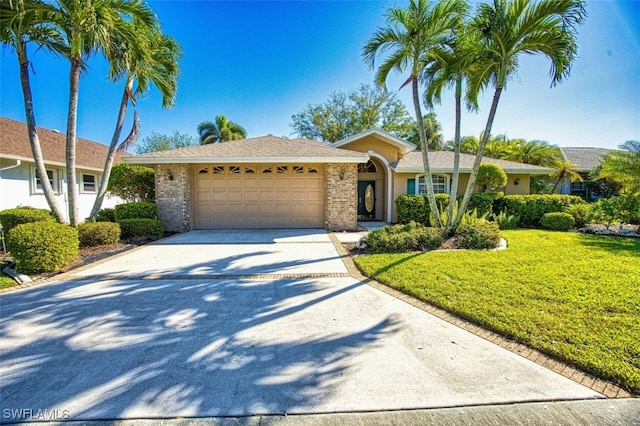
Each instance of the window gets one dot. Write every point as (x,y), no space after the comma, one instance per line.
(234,170)
(218,170)
(282,169)
(266,170)
(298,169)
(203,171)
(439,184)
(579,188)
(369,167)
(88,183)
(37,185)
(249,171)
(313,171)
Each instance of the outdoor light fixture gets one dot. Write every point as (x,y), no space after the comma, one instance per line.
(516,182)
(342,174)
(169,175)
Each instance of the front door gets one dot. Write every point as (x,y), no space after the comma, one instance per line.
(366,199)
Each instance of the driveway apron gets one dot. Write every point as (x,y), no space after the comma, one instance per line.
(247,322)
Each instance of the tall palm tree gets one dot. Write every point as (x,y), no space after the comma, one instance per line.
(539,153)
(565,168)
(152,60)
(21,23)
(412,37)
(508,29)
(221,130)
(89,27)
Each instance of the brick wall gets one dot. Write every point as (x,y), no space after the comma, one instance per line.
(172,196)
(340,194)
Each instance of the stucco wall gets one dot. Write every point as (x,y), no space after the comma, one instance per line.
(371,143)
(340,187)
(173,189)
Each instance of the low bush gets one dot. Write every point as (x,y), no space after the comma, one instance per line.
(98,233)
(10,218)
(581,214)
(137,210)
(416,207)
(42,246)
(558,221)
(531,208)
(620,209)
(140,228)
(506,221)
(106,215)
(403,238)
(482,202)
(481,235)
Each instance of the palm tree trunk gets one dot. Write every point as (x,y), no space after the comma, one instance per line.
(72,121)
(34,140)
(431,197)
(111,153)
(449,229)
(476,164)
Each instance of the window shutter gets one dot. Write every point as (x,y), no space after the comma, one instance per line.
(411,186)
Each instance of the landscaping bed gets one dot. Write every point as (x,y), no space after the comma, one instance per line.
(571,295)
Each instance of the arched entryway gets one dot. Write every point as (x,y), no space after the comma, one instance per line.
(372,194)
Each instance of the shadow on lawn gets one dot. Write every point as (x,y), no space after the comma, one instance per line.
(612,244)
(145,348)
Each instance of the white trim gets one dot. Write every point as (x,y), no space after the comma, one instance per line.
(447,182)
(55,177)
(389,181)
(244,160)
(545,172)
(95,183)
(394,140)
(47,163)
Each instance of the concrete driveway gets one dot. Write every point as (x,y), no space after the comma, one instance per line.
(229,323)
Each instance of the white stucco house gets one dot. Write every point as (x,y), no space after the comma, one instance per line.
(19,185)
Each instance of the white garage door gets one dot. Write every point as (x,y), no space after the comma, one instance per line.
(258,196)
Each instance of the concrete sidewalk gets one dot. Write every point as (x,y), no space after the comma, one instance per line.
(199,325)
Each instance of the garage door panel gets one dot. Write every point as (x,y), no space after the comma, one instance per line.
(245,196)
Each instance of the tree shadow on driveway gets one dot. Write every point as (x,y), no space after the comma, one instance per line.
(136,348)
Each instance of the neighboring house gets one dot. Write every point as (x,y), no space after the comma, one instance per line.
(586,159)
(277,182)
(19,183)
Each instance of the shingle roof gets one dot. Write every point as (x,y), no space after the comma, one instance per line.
(14,143)
(442,162)
(254,150)
(586,158)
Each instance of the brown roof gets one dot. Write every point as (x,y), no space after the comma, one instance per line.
(260,149)
(14,143)
(442,162)
(586,158)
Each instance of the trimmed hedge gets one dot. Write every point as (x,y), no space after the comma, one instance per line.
(479,235)
(137,210)
(106,215)
(404,238)
(140,228)
(557,221)
(11,218)
(531,208)
(581,214)
(98,233)
(416,207)
(42,246)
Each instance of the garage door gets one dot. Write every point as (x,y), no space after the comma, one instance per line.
(258,196)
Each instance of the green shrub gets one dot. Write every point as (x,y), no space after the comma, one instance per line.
(106,215)
(482,202)
(531,208)
(581,214)
(506,221)
(42,246)
(495,195)
(403,238)
(416,208)
(137,210)
(623,208)
(481,235)
(558,221)
(140,228)
(98,233)
(491,176)
(12,217)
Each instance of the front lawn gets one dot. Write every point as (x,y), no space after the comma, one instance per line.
(5,281)
(571,295)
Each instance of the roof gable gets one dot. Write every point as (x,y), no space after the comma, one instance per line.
(261,149)
(14,143)
(402,145)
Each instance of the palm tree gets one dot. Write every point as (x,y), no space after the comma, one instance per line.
(222,130)
(21,23)
(412,37)
(507,29)
(624,167)
(433,132)
(152,60)
(565,168)
(91,26)
(539,153)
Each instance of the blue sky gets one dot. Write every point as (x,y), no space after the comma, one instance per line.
(259,63)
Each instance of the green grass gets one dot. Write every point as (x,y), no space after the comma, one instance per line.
(5,281)
(571,295)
